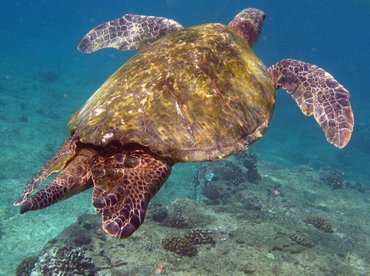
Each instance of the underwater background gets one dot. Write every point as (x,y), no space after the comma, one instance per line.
(44,79)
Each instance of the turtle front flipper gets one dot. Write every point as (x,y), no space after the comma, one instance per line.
(75,178)
(55,164)
(123,186)
(317,92)
(129,32)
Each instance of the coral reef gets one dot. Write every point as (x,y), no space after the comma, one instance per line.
(249,160)
(26,266)
(59,261)
(297,238)
(80,234)
(362,188)
(200,236)
(88,221)
(158,213)
(289,244)
(218,181)
(214,192)
(176,220)
(185,245)
(188,213)
(179,245)
(331,177)
(320,223)
(248,201)
(252,232)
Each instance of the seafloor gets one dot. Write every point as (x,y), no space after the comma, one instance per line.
(239,216)
(292,220)
(246,224)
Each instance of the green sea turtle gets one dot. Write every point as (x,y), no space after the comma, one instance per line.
(190,94)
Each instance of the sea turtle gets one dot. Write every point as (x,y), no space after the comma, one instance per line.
(190,94)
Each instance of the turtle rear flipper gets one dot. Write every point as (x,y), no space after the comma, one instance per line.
(317,92)
(123,186)
(129,32)
(55,164)
(75,178)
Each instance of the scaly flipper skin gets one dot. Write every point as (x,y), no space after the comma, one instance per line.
(75,178)
(248,24)
(317,92)
(55,164)
(123,186)
(129,32)
(124,181)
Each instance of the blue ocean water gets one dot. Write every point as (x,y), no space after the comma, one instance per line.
(44,79)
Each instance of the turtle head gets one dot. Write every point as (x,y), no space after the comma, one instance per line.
(248,24)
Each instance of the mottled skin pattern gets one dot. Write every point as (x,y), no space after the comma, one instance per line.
(248,24)
(193,94)
(124,180)
(74,178)
(328,101)
(124,185)
(55,164)
(129,32)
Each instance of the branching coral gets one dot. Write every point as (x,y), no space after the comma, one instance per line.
(61,261)
(159,213)
(176,220)
(249,160)
(200,236)
(320,223)
(331,177)
(179,245)
(220,180)
(297,238)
